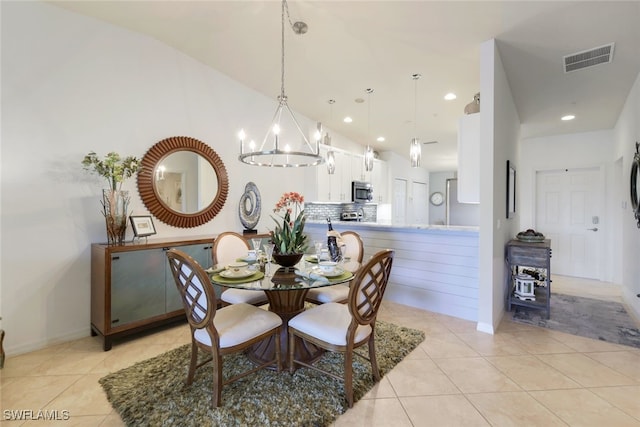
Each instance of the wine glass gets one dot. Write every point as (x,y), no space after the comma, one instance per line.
(256,242)
(318,247)
(343,255)
(268,251)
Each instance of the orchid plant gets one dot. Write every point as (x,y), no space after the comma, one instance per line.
(288,235)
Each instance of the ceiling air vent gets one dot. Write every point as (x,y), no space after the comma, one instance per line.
(588,58)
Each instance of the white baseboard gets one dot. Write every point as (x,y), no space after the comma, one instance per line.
(40,344)
(485,327)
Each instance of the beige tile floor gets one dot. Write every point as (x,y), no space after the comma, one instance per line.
(521,376)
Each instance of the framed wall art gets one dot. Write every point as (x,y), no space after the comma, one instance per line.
(511,190)
(142,225)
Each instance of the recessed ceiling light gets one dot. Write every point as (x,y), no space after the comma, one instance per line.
(568,117)
(450,96)
(380,139)
(347,119)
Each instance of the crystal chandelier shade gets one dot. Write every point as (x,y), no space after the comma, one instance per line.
(415,149)
(368,152)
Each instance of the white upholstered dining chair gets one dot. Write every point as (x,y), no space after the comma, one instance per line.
(345,327)
(219,332)
(227,248)
(354,249)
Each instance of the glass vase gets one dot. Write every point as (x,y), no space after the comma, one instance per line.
(114,208)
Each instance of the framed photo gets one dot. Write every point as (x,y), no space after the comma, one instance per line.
(142,225)
(511,190)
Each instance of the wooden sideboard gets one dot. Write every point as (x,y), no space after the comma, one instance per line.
(132,288)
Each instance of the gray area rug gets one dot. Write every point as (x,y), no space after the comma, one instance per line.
(153,392)
(587,317)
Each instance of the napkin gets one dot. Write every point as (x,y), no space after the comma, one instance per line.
(215,269)
(312,276)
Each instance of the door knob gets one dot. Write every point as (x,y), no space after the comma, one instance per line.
(593,229)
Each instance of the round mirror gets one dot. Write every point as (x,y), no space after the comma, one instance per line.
(183,182)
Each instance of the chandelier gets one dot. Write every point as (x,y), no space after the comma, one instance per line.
(368,152)
(283,146)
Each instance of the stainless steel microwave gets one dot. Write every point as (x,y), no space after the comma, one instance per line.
(361,192)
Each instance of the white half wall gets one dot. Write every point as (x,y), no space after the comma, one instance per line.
(433,269)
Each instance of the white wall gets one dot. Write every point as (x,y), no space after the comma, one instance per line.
(72,84)
(438,182)
(626,133)
(399,169)
(499,129)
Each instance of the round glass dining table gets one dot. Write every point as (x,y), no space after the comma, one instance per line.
(286,290)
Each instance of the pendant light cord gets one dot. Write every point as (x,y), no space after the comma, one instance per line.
(415,104)
(369,92)
(282,95)
(416,77)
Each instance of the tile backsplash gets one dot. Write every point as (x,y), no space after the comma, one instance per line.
(320,211)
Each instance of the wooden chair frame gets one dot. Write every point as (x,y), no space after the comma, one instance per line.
(202,317)
(365,297)
(214,251)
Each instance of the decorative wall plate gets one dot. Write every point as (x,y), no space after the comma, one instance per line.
(250,206)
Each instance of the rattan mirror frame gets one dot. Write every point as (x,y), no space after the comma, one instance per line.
(156,206)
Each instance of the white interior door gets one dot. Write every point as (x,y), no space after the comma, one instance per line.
(568,211)
(399,201)
(420,202)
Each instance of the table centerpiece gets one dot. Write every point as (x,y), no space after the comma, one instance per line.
(288,237)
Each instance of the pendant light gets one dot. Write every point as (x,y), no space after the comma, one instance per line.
(331,159)
(415,149)
(279,147)
(368,152)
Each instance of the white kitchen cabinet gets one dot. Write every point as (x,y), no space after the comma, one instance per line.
(380,181)
(357,169)
(469,158)
(335,187)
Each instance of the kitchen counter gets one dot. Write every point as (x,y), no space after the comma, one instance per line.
(435,267)
(385,225)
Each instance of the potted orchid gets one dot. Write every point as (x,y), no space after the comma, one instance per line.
(288,236)
(115,201)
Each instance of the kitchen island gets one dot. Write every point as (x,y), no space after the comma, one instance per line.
(435,267)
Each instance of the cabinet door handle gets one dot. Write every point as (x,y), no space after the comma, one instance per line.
(115,258)
(593,229)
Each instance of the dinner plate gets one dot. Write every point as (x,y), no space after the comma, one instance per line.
(335,273)
(228,274)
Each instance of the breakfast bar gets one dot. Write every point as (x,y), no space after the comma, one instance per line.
(435,267)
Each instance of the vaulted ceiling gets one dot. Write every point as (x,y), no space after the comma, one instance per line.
(354,45)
